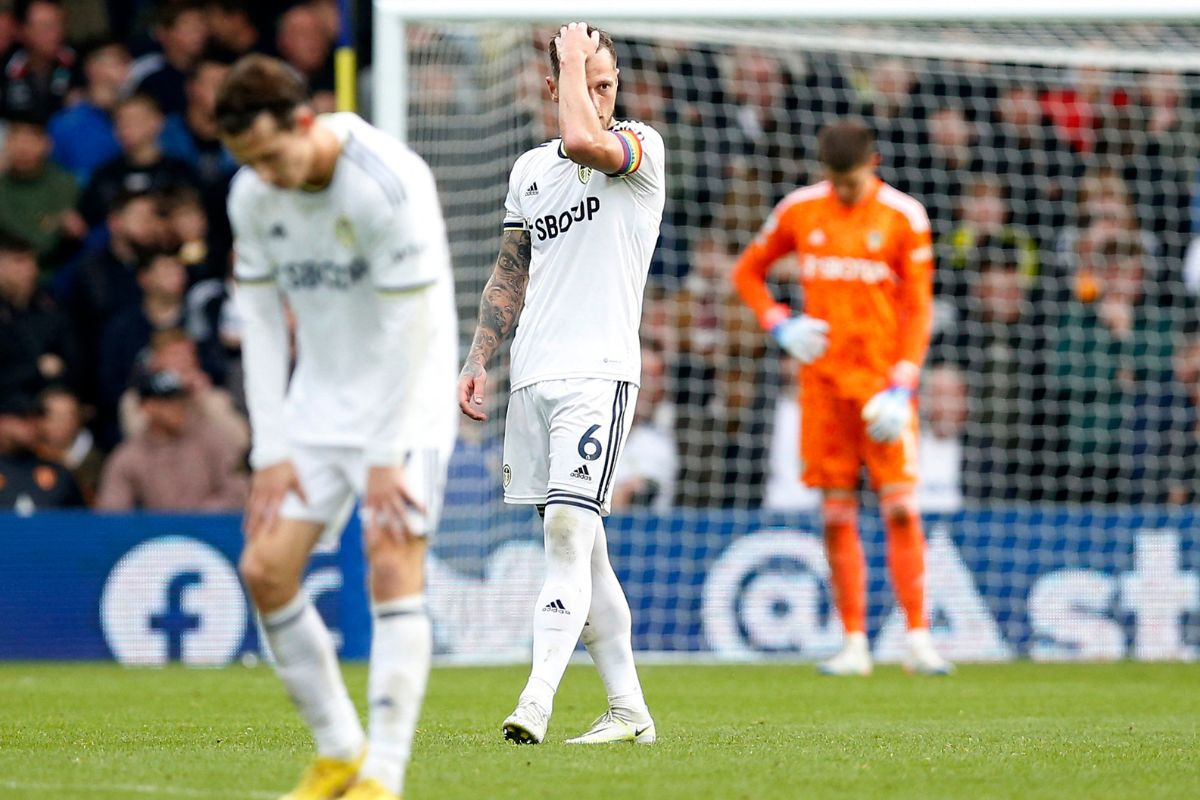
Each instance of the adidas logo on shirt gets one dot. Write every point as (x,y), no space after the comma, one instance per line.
(556,607)
(582,473)
(531,190)
(278,231)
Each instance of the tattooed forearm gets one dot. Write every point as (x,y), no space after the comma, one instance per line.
(503,298)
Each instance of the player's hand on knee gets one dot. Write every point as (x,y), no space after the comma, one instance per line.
(472,382)
(388,502)
(268,488)
(804,338)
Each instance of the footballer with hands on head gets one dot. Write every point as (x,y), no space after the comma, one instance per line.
(581,220)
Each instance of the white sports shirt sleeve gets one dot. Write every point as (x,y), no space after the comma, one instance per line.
(592,237)
(264,330)
(364,267)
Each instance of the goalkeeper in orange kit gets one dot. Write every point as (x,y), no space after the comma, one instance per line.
(865,260)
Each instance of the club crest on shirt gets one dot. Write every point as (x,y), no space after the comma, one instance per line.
(816,238)
(584,174)
(874,241)
(344,232)
(507,475)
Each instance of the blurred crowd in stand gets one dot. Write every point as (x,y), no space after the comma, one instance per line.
(1065,362)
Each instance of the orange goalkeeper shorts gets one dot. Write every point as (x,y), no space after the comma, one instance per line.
(834,444)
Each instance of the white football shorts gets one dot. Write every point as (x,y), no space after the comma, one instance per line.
(334,477)
(562,441)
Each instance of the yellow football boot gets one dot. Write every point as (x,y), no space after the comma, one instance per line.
(369,789)
(325,779)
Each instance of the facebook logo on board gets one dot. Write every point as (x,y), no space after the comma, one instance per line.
(173,599)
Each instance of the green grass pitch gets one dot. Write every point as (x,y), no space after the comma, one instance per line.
(773,731)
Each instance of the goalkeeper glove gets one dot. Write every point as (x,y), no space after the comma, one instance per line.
(889,412)
(804,338)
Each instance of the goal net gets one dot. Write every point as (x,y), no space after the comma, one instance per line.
(1060,450)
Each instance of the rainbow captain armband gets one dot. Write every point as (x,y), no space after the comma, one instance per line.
(632,146)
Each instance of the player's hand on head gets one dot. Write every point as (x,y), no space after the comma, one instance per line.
(388,501)
(573,39)
(472,382)
(268,488)
(804,338)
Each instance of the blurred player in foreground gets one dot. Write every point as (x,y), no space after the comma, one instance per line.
(866,262)
(343,221)
(581,221)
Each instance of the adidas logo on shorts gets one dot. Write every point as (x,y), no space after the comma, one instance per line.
(556,607)
(582,473)
(531,190)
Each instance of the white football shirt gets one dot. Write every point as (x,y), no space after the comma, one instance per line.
(376,231)
(592,237)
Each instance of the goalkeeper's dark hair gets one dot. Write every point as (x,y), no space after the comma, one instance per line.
(845,144)
(606,43)
(259,84)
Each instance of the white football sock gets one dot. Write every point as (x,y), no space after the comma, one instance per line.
(562,606)
(608,633)
(306,661)
(401,648)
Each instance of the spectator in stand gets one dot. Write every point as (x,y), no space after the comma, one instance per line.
(36,346)
(1151,150)
(105,284)
(645,476)
(1184,465)
(944,409)
(948,162)
(182,32)
(176,463)
(999,343)
(767,150)
(721,389)
(84,134)
(886,102)
(1039,169)
(37,197)
(1112,373)
(63,439)
(232,31)
(28,481)
(142,165)
(192,136)
(8,32)
(1082,106)
(982,214)
(37,77)
(174,351)
(214,325)
(187,229)
(1104,209)
(162,279)
(304,42)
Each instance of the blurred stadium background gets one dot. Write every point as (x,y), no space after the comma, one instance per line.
(1057,155)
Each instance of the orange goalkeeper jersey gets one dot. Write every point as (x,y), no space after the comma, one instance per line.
(866,269)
